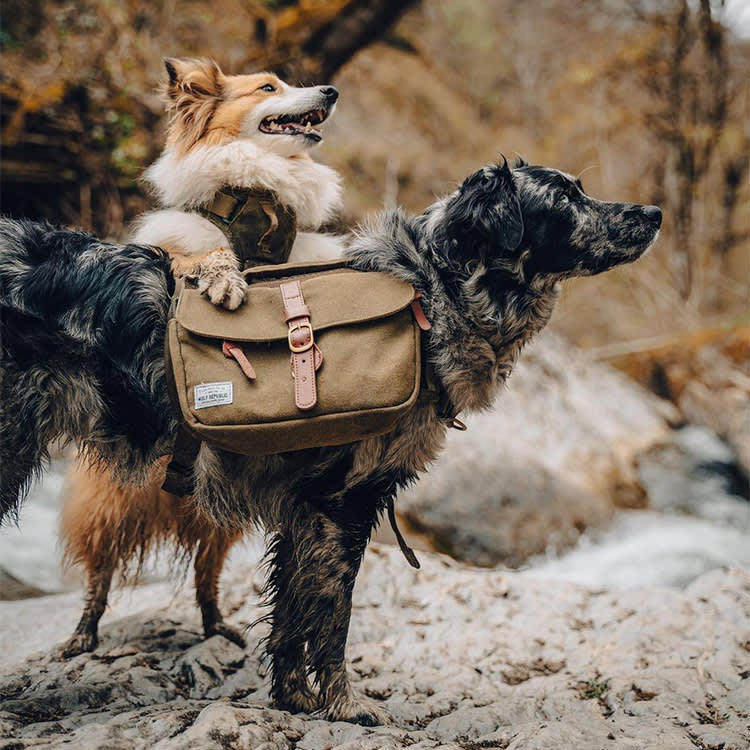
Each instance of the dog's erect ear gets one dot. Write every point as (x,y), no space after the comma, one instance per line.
(170,63)
(508,209)
(194,88)
(484,216)
(198,77)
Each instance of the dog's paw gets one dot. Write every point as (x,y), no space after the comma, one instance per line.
(357,710)
(300,701)
(219,278)
(79,643)
(224,290)
(227,631)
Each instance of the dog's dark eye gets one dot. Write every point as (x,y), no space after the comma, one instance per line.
(267,87)
(562,200)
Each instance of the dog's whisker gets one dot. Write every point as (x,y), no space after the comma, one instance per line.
(586,169)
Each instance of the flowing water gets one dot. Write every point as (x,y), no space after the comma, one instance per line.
(698,520)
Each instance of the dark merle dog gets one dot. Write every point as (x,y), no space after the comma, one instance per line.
(82,329)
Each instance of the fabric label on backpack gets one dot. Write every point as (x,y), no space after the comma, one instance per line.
(212,394)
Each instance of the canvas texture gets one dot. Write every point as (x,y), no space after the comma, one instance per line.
(370,374)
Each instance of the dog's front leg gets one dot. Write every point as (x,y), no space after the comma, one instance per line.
(218,275)
(345,544)
(315,561)
(290,687)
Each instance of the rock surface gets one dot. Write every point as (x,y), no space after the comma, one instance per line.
(705,373)
(557,454)
(12,588)
(461,658)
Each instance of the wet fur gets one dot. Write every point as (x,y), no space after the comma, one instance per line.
(487,261)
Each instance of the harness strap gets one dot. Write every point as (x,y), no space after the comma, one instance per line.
(407,551)
(180,480)
(259,227)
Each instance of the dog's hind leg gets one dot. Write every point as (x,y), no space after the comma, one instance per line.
(103,526)
(86,635)
(209,560)
(316,560)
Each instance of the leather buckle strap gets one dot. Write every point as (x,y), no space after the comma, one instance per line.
(235,351)
(306,357)
(307,341)
(418,312)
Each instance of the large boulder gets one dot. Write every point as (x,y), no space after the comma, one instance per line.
(556,455)
(705,373)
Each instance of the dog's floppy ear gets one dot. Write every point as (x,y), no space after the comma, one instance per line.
(484,215)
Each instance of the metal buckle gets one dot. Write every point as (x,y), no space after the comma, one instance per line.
(297,349)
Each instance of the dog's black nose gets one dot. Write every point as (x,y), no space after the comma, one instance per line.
(653,213)
(330,92)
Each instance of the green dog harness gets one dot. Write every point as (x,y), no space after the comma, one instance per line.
(260,229)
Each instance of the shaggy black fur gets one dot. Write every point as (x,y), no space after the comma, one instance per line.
(82,327)
(81,330)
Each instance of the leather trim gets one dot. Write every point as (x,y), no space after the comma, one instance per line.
(301,344)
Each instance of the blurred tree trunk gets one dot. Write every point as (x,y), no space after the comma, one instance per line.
(689,123)
(78,114)
(359,24)
(734,173)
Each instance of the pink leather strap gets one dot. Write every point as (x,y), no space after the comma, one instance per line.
(230,349)
(419,315)
(301,344)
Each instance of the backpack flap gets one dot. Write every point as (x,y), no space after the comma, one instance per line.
(367,355)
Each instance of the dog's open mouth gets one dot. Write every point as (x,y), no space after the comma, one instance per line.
(297,124)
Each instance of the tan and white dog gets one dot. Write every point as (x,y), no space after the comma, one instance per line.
(248,131)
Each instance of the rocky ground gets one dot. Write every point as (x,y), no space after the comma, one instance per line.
(459,657)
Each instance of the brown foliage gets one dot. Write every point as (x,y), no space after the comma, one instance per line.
(79,113)
(650,100)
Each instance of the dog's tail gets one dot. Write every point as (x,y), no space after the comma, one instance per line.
(81,339)
(27,425)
